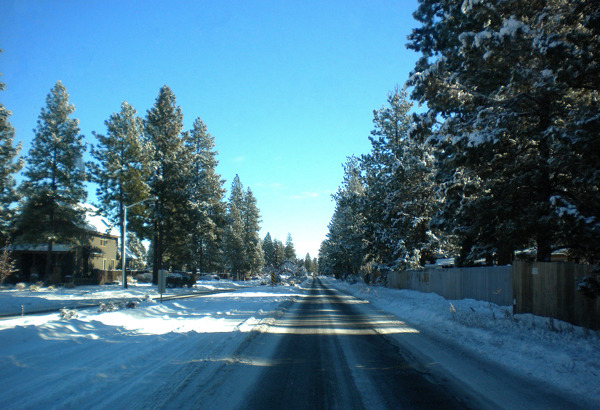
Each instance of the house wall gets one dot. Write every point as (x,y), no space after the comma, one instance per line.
(108,246)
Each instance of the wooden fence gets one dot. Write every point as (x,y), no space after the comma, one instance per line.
(550,289)
(541,288)
(491,283)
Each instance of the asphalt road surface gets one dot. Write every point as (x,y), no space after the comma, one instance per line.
(334,356)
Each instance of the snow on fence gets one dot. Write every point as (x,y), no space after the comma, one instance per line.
(490,283)
(552,289)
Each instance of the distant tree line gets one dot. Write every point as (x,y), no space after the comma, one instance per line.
(277,255)
(506,155)
(169,172)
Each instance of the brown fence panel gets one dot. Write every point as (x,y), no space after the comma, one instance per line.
(493,284)
(550,289)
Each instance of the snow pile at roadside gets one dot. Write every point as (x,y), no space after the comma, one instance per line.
(558,353)
(108,358)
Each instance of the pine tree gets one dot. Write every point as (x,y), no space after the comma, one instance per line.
(252,243)
(511,89)
(207,198)
(268,250)
(169,182)
(234,247)
(243,250)
(289,252)
(278,253)
(343,251)
(308,263)
(137,248)
(9,165)
(237,193)
(55,177)
(122,168)
(399,197)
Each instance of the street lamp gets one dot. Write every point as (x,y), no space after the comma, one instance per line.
(124,238)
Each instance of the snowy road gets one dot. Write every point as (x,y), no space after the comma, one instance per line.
(333,355)
(334,351)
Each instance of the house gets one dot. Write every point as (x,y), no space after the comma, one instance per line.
(104,241)
(95,262)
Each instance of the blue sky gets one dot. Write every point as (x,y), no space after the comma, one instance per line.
(287,88)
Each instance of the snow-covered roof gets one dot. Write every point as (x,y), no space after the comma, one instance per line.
(130,255)
(97,222)
(39,247)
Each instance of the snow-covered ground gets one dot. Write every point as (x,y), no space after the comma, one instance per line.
(108,358)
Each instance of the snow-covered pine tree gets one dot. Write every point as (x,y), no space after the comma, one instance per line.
(234,247)
(308,263)
(343,251)
(399,198)
(278,253)
(243,248)
(207,198)
(137,248)
(512,96)
(289,251)
(54,178)
(169,182)
(268,250)
(252,243)
(9,165)
(122,168)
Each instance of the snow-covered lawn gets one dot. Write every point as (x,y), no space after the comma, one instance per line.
(34,298)
(107,359)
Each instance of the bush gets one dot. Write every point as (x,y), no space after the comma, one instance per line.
(67,314)
(34,287)
(143,277)
(107,307)
(21,286)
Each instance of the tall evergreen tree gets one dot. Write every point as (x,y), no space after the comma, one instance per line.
(268,250)
(9,165)
(308,263)
(169,182)
(55,177)
(207,198)
(512,95)
(399,198)
(243,250)
(278,253)
(289,251)
(234,247)
(122,167)
(343,251)
(252,243)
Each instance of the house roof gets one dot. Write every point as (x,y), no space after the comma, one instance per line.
(96,222)
(39,247)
